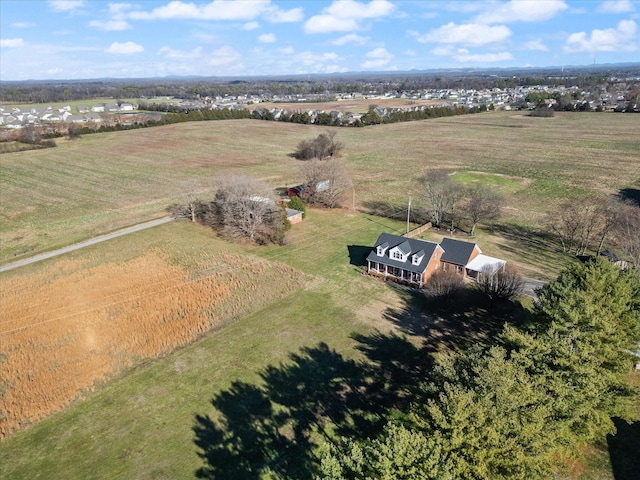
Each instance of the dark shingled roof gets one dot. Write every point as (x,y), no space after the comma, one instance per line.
(409,246)
(456,251)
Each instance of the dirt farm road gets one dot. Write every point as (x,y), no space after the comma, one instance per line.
(86,243)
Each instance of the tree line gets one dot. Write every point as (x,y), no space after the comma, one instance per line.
(580,226)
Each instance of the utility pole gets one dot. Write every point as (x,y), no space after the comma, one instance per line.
(408,212)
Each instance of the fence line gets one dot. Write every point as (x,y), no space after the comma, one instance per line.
(418,230)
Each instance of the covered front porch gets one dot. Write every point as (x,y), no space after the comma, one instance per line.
(397,274)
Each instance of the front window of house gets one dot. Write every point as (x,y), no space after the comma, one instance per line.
(398,255)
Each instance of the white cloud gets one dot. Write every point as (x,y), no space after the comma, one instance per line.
(180,54)
(22,25)
(622,38)
(315,59)
(535,45)
(118,10)
(275,15)
(616,6)
(378,58)
(345,15)
(521,11)
(250,26)
(352,38)
(468,34)
(224,56)
(430,15)
(110,25)
(464,56)
(126,48)
(66,5)
(11,42)
(267,38)
(217,10)
(442,51)
(329,23)
(286,51)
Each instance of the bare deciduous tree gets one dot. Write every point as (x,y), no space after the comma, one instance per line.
(627,230)
(579,225)
(503,284)
(321,147)
(439,193)
(326,182)
(444,284)
(244,207)
(481,205)
(191,193)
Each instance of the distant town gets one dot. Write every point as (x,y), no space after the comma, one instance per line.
(136,102)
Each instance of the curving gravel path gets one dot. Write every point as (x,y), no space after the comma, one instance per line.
(86,243)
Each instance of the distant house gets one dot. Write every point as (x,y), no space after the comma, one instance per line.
(97,108)
(127,107)
(404,259)
(307,189)
(413,261)
(111,107)
(93,117)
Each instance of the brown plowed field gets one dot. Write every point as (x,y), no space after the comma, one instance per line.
(69,327)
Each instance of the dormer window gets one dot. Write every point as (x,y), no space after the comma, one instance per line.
(397,255)
(416,258)
(382,249)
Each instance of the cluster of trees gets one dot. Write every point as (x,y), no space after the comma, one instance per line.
(325,178)
(584,226)
(242,208)
(321,147)
(326,182)
(30,135)
(517,407)
(449,203)
(371,117)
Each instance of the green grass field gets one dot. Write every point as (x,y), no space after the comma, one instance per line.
(140,425)
(99,183)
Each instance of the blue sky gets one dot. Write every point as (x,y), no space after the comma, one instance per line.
(146,38)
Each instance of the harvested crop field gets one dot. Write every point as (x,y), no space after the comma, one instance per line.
(68,327)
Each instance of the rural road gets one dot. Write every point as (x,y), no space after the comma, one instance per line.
(86,243)
(530,285)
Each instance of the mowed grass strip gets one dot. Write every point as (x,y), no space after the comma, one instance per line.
(140,425)
(98,183)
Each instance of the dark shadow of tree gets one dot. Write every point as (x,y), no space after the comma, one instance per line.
(456,323)
(631,195)
(393,210)
(532,246)
(273,427)
(624,449)
(358,254)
